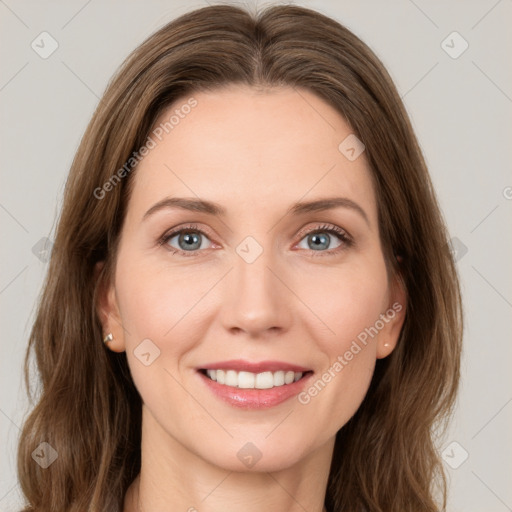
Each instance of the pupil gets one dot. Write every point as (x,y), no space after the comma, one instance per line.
(190,240)
(320,240)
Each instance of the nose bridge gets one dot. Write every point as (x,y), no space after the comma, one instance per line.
(256,300)
(252,265)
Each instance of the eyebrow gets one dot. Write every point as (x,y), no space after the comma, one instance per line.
(300,208)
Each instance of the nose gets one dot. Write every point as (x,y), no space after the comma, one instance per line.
(257,301)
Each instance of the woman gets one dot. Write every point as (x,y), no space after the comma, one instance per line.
(250,298)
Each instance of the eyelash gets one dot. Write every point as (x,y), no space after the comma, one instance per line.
(326,228)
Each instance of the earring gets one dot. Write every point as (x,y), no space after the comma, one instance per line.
(386,344)
(108,338)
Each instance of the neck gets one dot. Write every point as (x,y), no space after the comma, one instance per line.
(173,478)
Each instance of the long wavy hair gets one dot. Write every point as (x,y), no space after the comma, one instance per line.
(87,408)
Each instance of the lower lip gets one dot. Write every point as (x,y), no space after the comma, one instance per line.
(255,398)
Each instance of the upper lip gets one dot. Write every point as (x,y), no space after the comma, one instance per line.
(247,366)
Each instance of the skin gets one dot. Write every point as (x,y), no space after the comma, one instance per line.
(293,303)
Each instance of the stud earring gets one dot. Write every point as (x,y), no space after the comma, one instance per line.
(386,344)
(108,338)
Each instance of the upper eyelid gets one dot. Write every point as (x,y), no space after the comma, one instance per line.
(324,226)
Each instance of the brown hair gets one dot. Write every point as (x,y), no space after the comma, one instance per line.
(88,409)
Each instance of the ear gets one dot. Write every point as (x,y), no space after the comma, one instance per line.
(107,309)
(393,319)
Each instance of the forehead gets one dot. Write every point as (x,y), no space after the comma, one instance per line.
(240,146)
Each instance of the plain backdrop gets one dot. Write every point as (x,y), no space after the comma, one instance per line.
(457,88)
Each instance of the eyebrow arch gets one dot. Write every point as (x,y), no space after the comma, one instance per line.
(194,205)
(300,208)
(328,203)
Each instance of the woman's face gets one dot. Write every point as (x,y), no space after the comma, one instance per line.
(249,282)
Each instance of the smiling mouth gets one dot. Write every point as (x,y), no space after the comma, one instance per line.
(250,380)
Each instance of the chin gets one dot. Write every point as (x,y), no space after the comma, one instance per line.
(259,455)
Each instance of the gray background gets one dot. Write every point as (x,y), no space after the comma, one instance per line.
(461,111)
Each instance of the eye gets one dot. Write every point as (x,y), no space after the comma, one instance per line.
(318,239)
(188,240)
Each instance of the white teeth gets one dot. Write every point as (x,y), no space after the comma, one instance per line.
(245,380)
(288,377)
(278,378)
(248,380)
(231,378)
(264,380)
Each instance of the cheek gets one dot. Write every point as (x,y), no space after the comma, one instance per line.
(347,300)
(349,303)
(154,299)
(157,303)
